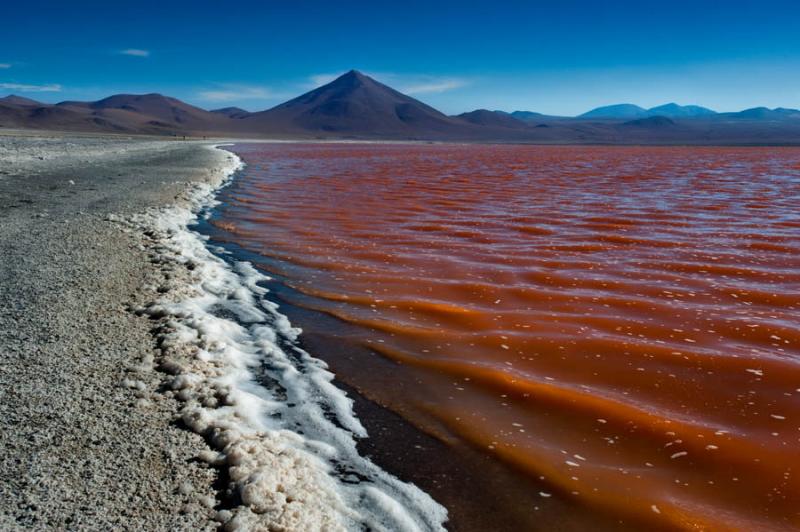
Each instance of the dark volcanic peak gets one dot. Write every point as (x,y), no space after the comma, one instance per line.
(673,110)
(352,84)
(619,111)
(13,99)
(484,117)
(232,112)
(354,104)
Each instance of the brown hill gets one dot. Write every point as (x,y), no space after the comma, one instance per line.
(151,113)
(13,99)
(51,117)
(123,113)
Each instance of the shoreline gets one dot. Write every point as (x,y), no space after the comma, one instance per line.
(479,493)
(311,139)
(282,434)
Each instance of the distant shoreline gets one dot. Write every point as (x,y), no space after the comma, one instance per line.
(39,133)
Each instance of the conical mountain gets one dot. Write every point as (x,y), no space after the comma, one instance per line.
(356,105)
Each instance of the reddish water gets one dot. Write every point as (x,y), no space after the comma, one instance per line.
(620,324)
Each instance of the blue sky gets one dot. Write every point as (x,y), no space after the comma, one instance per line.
(555,57)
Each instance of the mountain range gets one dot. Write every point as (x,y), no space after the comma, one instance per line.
(631,111)
(356,106)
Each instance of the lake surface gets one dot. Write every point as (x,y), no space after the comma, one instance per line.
(620,325)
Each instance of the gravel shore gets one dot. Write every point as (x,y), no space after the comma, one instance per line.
(86,444)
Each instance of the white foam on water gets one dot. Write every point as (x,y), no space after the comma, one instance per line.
(270,410)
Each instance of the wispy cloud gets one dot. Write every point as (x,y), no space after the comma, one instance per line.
(21,87)
(5,65)
(433,86)
(407,83)
(135,52)
(232,93)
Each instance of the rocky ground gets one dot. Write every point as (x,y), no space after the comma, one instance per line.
(85,443)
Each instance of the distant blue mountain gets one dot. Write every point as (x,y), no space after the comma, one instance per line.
(765,113)
(673,110)
(629,111)
(621,110)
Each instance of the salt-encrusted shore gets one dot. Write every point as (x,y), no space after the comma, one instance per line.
(147,383)
(86,442)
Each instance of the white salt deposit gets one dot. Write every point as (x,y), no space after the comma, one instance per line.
(270,410)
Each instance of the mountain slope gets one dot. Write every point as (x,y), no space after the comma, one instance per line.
(150,111)
(529,116)
(121,113)
(650,122)
(13,99)
(232,112)
(485,117)
(51,117)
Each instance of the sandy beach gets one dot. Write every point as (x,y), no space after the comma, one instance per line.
(86,442)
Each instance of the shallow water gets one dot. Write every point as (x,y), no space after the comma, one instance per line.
(620,325)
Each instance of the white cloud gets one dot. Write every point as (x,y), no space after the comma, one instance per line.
(433,86)
(135,52)
(21,87)
(317,80)
(231,93)
(5,65)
